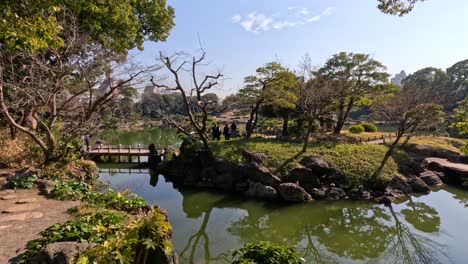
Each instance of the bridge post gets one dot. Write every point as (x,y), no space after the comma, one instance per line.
(139,155)
(118,151)
(129,154)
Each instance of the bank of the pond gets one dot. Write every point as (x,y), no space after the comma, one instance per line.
(208,225)
(279,170)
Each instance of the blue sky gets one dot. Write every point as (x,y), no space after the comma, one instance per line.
(241,35)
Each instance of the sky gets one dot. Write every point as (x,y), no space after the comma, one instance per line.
(239,36)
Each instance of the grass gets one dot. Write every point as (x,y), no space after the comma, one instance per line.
(357,161)
(448,143)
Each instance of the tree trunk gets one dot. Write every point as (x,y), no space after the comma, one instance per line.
(388,154)
(343,115)
(285,133)
(251,123)
(13,132)
(306,137)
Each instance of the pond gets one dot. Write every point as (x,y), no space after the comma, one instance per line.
(208,225)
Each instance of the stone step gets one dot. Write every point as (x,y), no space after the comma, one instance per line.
(20,216)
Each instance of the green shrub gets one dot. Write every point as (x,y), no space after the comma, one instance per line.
(356,129)
(122,201)
(23,182)
(368,127)
(265,253)
(97,227)
(70,190)
(134,244)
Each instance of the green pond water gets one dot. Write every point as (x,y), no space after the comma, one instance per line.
(208,225)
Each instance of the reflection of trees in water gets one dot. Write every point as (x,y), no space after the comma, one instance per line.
(323,233)
(406,246)
(460,195)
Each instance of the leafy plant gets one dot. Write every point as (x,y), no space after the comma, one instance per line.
(140,242)
(70,190)
(265,253)
(122,201)
(368,127)
(97,227)
(356,129)
(23,182)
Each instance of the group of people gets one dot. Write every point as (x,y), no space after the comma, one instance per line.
(228,132)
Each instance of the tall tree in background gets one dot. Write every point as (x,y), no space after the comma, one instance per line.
(458,80)
(357,75)
(273,85)
(55,55)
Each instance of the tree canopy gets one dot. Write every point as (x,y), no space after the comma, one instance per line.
(397,7)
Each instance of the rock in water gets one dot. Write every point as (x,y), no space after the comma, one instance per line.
(418,186)
(293,193)
(258,190)
(430,178)
(306,178)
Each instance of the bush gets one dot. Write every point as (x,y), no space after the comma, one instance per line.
(368,127)
(356,129)
(265,253)
(70,190)
(23,182)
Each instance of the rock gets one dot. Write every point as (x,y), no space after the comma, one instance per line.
(21,208)
(463,159)
(335,193)
(224,181)
(45,186)
(258,173)
(430,151)
(456,176)
(8,191)
(305,177)
(435,166)
(317,164)
(254,157)
(430,178)
(3,182)
(258,190)
(205,157)
(241,187)
(335,177)
(418,186)
(398,187)
(9,197)
(387,200)
(20,216)
(416,167)
(318,194)
(60,252)
(22,173)
(293,193)
(359,193)
(3,165)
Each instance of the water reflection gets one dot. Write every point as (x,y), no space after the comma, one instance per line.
(209,225)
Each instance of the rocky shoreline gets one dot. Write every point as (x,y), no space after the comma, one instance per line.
(317,179)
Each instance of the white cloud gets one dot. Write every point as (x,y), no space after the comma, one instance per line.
(257,22)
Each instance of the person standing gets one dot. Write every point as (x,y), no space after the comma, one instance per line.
(226,132)
(233,130)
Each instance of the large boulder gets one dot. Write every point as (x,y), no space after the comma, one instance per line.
(335,177)
(359,193)
(335,193)
(398,187)
(60,252)
(306,178)
(45,186)
(318,164)
(259,173)
(258,190)
(254,157)
(418,186)
(23,173)
(456,176)
(431,151)
(319,193)
(292,192)
(430,178)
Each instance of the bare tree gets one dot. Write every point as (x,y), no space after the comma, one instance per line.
(316,98)
(412,109)
(56,96)
(193,99)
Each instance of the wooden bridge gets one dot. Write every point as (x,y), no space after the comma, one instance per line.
(120,151)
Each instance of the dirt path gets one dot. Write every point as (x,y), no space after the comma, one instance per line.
(23,214)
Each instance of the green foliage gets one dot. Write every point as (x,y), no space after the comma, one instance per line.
(189,151)
(121,201)
(117,25)
(23,182)
(368,127)
(265,253)
(460,117)
(134,244)
(97,227)
(397,7)
(356,129)
(357,161)
(70,190)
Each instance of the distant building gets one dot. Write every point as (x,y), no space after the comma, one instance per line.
(398,79)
